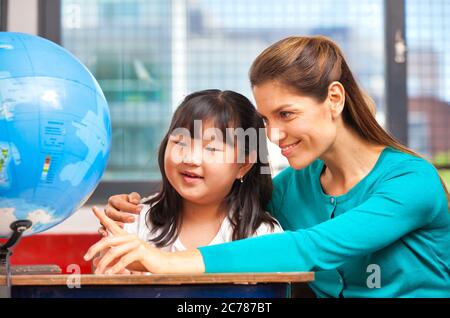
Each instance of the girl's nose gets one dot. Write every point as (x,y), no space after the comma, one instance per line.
(192,156)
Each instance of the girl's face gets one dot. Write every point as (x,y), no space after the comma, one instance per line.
(202,171)
(303,128)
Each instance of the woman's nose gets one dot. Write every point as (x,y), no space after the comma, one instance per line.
(275,134)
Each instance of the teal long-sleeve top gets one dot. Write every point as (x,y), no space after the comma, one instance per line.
(389,236)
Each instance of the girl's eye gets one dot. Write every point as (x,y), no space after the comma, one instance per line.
(211,149)
(285,115)
(179,143)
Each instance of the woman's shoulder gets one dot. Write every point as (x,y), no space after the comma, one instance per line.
(412,179)
(398,163)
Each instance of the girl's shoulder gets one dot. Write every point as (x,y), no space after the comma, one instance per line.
(225,233)
(266,228)
(140,226)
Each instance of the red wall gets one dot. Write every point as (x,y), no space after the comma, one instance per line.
(58,249)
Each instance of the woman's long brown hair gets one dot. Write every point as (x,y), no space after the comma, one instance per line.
(309,65)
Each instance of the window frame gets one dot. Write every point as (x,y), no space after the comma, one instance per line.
(395,75)
(3,15)
(49,20)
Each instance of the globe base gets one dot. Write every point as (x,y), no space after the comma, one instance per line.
(18,227)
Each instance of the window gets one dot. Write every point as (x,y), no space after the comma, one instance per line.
(147,55)
(127,45)
(427,27)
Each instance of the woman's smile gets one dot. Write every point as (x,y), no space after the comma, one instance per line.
(286,150)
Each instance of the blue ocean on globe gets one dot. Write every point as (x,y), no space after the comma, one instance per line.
(55,132)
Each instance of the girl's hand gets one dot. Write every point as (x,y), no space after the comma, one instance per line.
(97,259)
(120,209)
(126,250)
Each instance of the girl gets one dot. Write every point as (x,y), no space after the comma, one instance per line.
(207,196)
(366,213)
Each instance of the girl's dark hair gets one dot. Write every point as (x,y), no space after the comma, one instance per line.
(226,109)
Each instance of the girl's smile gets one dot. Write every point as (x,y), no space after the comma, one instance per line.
(191,177)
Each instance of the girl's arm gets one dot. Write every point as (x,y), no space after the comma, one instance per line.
(123,250)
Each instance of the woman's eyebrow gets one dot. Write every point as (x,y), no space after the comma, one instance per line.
(279,108)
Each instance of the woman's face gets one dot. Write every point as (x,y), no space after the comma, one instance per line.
(303,128)
(202,171)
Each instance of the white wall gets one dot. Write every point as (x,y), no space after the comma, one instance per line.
(23,16)
(82,221)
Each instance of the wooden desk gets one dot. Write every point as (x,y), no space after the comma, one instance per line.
(252,285)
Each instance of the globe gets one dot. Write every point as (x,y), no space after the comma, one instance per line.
(55,133)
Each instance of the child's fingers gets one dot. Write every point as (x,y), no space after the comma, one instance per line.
(120,224)
(115,253)
(109,224)
(95,261)
(126,260)
(105,243)
(102,231)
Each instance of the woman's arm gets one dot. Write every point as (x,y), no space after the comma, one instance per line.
(405,201)
(408,198)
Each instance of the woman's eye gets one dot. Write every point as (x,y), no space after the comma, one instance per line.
(285,115)
(211,149)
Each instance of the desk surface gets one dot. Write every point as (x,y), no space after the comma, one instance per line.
(174,279)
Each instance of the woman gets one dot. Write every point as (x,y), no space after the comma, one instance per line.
(367,214)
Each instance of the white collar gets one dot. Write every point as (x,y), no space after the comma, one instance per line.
(223,235)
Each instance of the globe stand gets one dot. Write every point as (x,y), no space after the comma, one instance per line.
(18,227)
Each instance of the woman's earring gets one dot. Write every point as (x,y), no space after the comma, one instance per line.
(242,179)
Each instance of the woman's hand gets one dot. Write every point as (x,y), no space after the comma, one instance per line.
(120,207)
(122,251)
